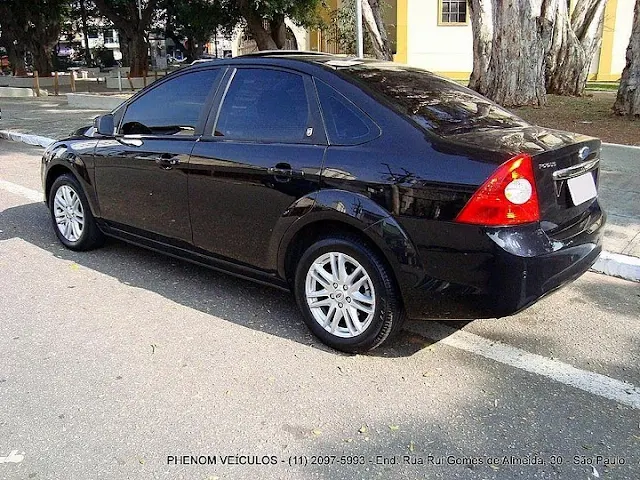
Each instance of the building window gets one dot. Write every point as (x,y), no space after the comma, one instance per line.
(453,11)
(110,36)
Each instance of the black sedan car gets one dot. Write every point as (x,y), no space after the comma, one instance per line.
(374,191)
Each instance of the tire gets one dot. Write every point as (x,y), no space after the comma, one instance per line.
(71,215)
(365,291)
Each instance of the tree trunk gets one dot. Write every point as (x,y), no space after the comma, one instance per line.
(19,68)
(278,31)
(16,52)
(133,29)
(515,71)
(138,54)
(482,25)
(42,58)
(572,44)
(85,32)
(628,99)
(262,37)
(376,29)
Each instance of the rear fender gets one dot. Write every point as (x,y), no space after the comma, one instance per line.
(361,213)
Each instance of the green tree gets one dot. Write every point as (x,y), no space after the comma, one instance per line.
(265,18)
(196,21)
(33,25)
(132,24)
(376,42)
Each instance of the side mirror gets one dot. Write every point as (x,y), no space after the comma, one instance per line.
(104,125)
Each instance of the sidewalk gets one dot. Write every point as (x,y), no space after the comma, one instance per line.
(619,191)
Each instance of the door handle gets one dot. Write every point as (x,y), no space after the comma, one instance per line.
(167,161)
(283,172)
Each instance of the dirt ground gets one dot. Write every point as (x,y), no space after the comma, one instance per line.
(590,115)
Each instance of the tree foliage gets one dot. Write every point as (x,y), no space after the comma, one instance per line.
(196,21)
(34,26)
(372,13)
(133,25)
(343,29)
(265,18)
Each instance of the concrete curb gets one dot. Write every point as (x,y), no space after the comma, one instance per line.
(617,265)
(98,102)
(612,264)
(27,138)
(631,147)
(16,92)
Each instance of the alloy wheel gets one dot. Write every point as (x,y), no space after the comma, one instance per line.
(340,294)
(68,212)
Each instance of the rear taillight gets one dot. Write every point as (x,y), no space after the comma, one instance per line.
(508,197)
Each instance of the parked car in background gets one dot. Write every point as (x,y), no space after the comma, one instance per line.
(373,191)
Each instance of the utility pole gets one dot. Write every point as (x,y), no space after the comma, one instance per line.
(139,10)
(359,39)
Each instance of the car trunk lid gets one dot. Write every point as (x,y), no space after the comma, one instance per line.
(566,167)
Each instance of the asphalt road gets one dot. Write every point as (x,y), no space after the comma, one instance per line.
(118,363)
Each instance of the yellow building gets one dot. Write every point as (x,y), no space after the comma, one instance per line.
(436,35)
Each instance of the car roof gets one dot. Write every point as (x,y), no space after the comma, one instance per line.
(291,58)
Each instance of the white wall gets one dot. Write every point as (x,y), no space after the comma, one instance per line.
(624,22)
(437,48)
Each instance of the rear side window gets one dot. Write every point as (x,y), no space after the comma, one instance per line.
(265,105)
(346,124)
(171,108)
(435,103)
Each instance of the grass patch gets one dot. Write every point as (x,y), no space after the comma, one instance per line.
(590,115)
(603,86)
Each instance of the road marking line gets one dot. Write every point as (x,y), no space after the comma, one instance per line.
(13,457)
(33,195)
(595,383)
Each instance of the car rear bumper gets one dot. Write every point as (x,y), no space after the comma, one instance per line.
(504,271)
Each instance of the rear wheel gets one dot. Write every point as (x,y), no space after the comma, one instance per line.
(347,295)
(72,219)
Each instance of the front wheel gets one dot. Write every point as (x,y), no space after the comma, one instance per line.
(72,219)
(347,295)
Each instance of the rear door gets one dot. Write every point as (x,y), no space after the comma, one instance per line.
(141,173)
(262,149)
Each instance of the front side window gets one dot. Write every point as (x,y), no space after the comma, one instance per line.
(453,11)
(171,108)
(265,106)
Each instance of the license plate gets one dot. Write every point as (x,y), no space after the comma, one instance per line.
(582,188)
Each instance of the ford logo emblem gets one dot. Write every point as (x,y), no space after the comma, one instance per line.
(584,152)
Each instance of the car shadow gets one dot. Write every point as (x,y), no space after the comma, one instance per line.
(233,299)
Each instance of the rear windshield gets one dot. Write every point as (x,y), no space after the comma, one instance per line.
(435,103)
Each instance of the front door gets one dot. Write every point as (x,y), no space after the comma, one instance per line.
(264,152)
(141,173)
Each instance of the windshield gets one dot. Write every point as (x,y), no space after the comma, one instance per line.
(435,103)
